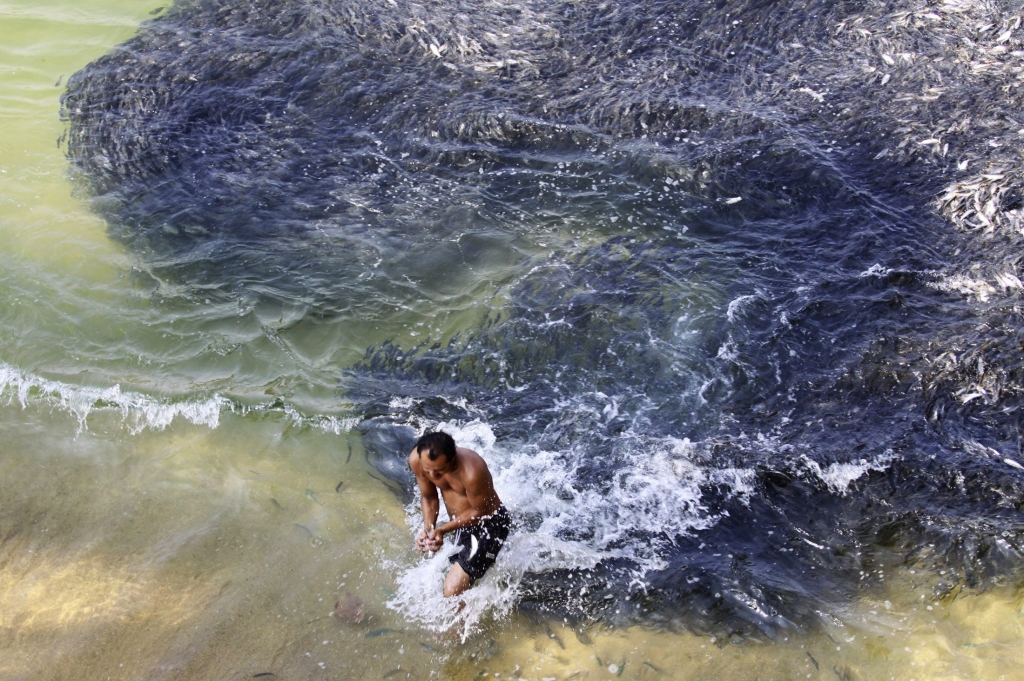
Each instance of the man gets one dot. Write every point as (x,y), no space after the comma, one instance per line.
(477,518)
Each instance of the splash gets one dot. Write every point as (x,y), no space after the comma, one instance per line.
(567,523)
(839,476)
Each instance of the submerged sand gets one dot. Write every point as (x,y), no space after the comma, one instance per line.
(220,554)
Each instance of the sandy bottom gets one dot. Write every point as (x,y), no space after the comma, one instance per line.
(193,553)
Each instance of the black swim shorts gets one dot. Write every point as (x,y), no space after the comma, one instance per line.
(480,543)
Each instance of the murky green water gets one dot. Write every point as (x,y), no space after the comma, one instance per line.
(152,532)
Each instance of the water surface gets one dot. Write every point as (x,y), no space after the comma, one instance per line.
(749,390)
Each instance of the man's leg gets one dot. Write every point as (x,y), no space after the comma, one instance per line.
(457,581)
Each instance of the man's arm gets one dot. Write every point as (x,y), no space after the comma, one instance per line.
(430,505)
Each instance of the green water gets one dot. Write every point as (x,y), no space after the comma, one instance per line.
(213,545)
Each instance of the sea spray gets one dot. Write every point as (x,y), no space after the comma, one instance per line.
(839,476)
(419,594)
(564,524)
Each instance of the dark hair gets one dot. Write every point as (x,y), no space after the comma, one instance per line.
(437,444)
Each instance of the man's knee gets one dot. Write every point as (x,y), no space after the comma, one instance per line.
(456,587)
(457,581)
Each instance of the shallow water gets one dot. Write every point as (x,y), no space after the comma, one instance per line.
(191,553)
(771,437)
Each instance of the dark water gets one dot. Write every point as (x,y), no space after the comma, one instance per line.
(678,238)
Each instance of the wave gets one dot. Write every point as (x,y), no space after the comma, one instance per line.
(138,411)
(141,412)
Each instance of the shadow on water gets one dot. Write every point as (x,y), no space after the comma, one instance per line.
(745,256)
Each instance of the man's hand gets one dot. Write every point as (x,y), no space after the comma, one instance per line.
(429,541)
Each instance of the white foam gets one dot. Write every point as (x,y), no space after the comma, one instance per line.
(736,306)
(839,476)
(328,424)
(138,411)
(875,270)
(652,498)
(419,595)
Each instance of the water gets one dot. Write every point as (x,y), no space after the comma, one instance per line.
(727,297)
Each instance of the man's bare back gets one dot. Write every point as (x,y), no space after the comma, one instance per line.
(476,515)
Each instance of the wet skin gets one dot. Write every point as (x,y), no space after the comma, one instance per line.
(469,497)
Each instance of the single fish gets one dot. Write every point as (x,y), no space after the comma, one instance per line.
(337,488)
(350,609)
(275,502)
(380,632)
(349,457)
(263,675)
(396,670)
(554,636)
(428,648)
(311,495)
(304,529)
(814,661)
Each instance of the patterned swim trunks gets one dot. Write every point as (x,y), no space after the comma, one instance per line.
(480,543)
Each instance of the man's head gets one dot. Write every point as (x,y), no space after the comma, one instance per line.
(437,455)
(436,445)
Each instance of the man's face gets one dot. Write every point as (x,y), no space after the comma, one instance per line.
(435,470)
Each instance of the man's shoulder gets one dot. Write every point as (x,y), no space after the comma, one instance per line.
(473,465)
(469,457)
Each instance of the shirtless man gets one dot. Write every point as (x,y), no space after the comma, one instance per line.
(477,518)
